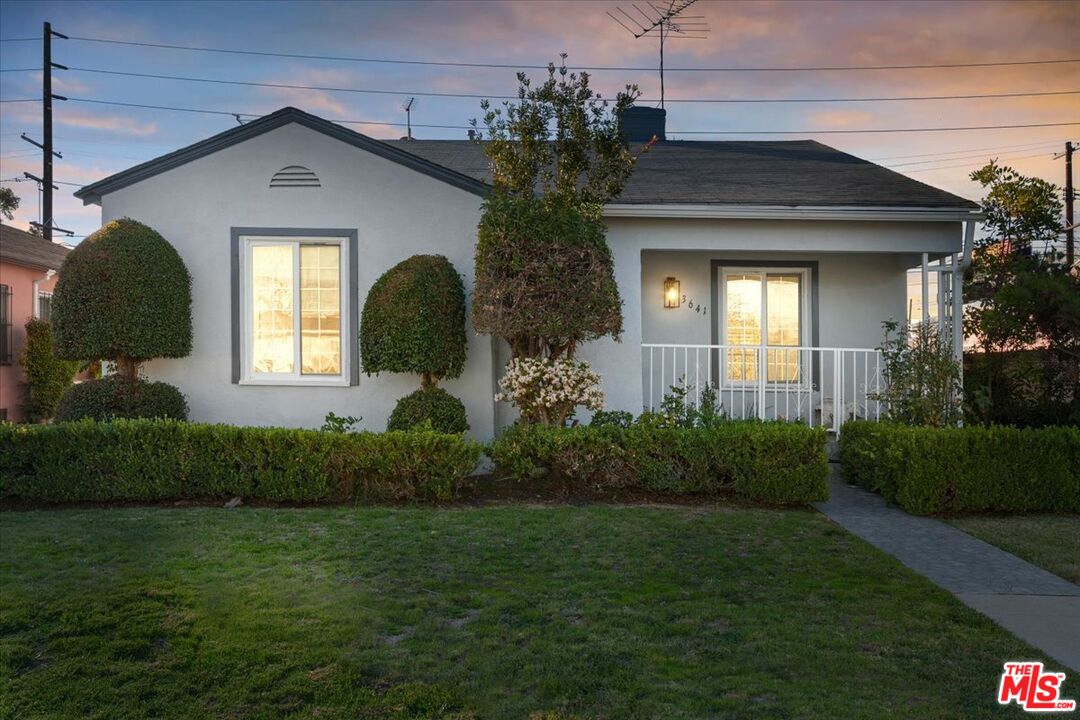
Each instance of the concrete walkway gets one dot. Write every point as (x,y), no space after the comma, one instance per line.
(1034,604)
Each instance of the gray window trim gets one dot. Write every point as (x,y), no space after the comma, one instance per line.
(353,299)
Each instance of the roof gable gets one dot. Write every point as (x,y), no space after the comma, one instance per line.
(92,193)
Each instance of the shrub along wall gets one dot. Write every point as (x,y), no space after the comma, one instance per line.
(766,462)
(150,460)
(970,469)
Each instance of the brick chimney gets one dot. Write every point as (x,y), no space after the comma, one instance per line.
(641,124)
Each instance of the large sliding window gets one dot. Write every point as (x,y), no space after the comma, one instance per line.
(764,310)
(294,313)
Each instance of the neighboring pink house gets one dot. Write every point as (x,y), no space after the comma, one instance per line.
(28,272)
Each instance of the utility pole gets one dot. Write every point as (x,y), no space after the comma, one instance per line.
(1069,193)
(46,145)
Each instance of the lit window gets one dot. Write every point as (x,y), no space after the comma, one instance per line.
(763,313)
(295,310)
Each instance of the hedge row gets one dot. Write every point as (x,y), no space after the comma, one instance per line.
(970,469)
(766,462)
(150,460)
(153,460)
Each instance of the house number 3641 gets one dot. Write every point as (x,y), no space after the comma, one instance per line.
(696,307)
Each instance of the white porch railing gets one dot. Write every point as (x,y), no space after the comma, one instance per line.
(817,386)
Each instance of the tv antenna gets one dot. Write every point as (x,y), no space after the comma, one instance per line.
(666,21)
(407,107)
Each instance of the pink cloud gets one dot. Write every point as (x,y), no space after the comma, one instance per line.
(109,123)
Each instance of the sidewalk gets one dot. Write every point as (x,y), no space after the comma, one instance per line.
(1034,604)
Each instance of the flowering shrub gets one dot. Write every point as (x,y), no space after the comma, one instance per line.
(547,391)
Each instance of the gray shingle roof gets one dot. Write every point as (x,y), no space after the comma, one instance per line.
(777,173)
(783,173)
(21,248)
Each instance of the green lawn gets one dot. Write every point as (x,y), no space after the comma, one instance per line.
(1049,541)
(501,612)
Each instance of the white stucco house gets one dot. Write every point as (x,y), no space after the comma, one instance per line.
(762,268)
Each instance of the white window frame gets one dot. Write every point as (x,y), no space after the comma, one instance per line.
(805,318)
(248,376)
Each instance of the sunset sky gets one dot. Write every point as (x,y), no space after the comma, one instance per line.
(98,140)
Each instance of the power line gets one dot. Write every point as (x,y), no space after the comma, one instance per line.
(446,63)
(953,152)
(480,96)
(19,39)
(865,130)
(254,115)
(18,100)
(20,69)
(674,132)
(949,159)
(968,165)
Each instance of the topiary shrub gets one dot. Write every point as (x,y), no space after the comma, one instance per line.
(123,295)
(117,397)
(545,279)
(47,376)
(414,320)
(429,404)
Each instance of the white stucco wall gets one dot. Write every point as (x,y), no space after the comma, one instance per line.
(398,212)
(861,280)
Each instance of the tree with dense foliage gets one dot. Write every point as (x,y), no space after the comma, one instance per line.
(1023,299)
(9,203)
(544,275)
(47,376)
(414,321)
(123,295)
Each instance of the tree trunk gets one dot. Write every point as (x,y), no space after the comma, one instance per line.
(127,368)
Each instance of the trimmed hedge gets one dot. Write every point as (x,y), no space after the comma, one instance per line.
(971,469)
(154,460)
(115,397)
(429,404)
(777,463)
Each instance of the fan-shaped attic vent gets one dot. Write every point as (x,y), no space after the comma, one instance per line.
(294,176)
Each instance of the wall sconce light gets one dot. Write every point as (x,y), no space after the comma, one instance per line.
(671,293)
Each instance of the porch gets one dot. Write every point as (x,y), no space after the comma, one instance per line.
(783,337)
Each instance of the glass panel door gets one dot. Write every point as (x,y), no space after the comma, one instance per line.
(763,313)
(742,304)
(783,321)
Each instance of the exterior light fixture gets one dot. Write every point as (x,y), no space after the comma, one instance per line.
(671,293)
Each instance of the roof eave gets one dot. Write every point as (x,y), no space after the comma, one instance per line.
(796,212)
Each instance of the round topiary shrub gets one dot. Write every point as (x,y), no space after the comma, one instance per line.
(124,295)
(414,320)
(117,397)
(446,412)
